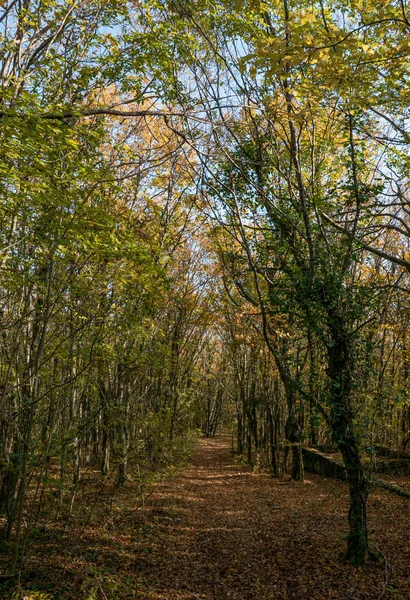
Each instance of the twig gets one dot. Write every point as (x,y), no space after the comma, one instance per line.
(386,574)
(141,505)
(100,586)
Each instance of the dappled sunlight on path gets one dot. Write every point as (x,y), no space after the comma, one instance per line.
(223,531)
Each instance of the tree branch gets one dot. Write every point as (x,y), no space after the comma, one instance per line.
(390,257)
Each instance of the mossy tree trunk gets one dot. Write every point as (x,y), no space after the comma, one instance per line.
(340,376)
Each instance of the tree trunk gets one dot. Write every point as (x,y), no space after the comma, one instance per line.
(273,442)
(293,438)
(123,463)
(240,435)
(339,371)
(358,544)
(293,434)
(9,487)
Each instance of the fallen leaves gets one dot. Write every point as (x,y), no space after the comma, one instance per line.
(217,531)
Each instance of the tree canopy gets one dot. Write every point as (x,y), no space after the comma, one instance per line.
(205,224)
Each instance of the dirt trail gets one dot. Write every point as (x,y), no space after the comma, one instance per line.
(220,531)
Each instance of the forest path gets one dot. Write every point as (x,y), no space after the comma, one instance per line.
(224,532)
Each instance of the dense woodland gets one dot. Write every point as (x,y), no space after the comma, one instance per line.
(205,225)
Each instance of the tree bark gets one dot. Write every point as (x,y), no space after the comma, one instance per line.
(339,371)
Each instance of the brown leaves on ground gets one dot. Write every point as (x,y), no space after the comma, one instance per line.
(219,531)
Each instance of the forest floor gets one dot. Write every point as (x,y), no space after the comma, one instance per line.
(219,530)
